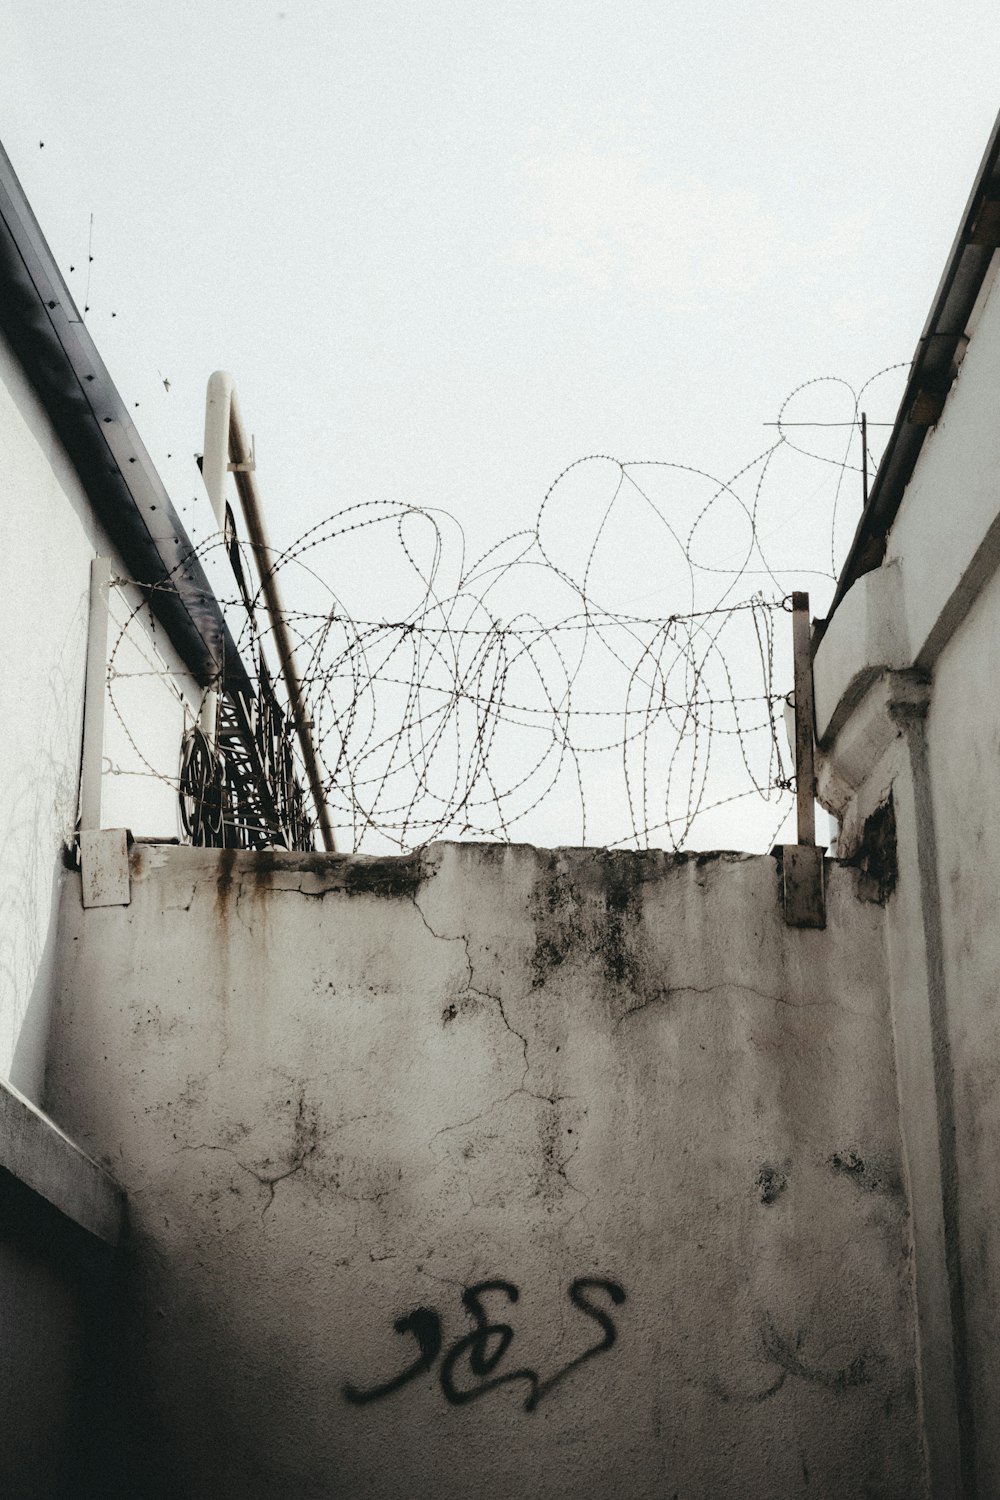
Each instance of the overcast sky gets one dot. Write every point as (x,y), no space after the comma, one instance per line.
(446,248)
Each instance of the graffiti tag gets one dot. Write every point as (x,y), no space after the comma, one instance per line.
(479,1353)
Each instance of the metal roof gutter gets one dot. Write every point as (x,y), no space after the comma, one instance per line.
(45,329)
(933,368)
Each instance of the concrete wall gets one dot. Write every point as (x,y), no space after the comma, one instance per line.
(341,1093)
(963,742)
(50,536)
(909,724)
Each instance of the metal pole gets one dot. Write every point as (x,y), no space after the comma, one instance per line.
(864,458)
(805,772)
(92,759)
(246,484)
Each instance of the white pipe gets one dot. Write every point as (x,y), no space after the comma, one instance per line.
(215,459)
(208,717)
(227,450)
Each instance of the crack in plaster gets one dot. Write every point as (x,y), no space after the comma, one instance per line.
(662,997)
(182,905)
(497,1104)
(472,989)
(559,1167)
(262,1178)
(266,1179)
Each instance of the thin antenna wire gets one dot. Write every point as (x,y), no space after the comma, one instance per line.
(90,266)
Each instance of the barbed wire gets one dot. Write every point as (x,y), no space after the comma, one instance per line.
(515,692)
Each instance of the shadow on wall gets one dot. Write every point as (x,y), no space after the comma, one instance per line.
(59,1415)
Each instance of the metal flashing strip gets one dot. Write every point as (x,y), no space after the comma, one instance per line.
(43,325)
(933,367)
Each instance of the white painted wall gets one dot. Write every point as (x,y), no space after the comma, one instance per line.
(339,1089)
(908,711)
(50,536)
(963,734)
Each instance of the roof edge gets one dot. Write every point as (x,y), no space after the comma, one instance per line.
(47,333)
(933,367)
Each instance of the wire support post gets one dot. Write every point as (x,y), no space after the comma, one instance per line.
(104,864)
(227,451)
(802,872)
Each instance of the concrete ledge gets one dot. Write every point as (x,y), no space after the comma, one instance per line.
(844,765)
(864,638)
(38,1154)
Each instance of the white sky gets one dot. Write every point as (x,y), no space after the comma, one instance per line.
(447,248)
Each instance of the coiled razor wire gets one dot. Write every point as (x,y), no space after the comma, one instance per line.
(514,695)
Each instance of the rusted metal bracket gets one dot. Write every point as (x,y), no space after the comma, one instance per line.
(104,867)
(245,465)
(803,884)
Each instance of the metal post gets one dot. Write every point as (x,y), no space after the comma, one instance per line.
(864,458)
(92,765)
(104,868)
(802,863)
(805,772)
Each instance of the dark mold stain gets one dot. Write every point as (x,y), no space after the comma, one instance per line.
(490,853)
(594,909)
(771,1181)
(224,882)
(388,875)
(354,874)
(867,1176)
(556,908)
(449,1013)
(875,856)
(546,957)
(623,905)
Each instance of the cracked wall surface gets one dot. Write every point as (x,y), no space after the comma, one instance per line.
(496,1171)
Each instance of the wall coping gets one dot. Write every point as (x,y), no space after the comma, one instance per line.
(35,1151)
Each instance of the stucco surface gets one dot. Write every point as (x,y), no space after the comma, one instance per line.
(342,1092)
(963,733)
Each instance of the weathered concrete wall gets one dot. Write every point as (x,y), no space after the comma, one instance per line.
(910,728)
(963,735)
(342,1093)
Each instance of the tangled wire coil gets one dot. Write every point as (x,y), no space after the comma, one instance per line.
(518,695)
